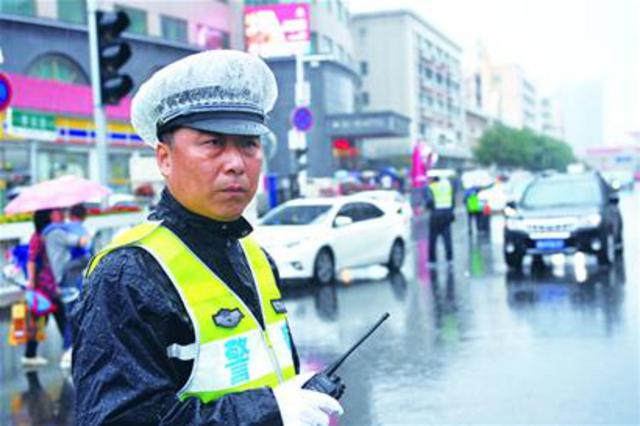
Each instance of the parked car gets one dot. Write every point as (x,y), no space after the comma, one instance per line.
(391,196)
(564,213)
(315,237)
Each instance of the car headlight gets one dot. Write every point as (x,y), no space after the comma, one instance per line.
(590,221)
(515,224)
(510,211)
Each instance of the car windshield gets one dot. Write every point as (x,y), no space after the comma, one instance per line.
(297,215)
(570,192)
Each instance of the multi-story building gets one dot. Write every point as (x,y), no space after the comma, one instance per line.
(410,67)
(319,34)
(551,123)
(48,129)
(503,92)
(476,124)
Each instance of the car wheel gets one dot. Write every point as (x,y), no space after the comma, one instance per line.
(324,269)
(514,260)
(396,255)
(607,254)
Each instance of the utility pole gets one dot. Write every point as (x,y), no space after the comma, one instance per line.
(99,112)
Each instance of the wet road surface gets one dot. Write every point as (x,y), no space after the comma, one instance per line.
(471,344)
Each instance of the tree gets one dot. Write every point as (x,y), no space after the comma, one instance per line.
(513,148)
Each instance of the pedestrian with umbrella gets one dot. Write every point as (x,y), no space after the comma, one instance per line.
(51,244)
(41,290)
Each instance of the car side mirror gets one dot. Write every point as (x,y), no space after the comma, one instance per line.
(341,221)
(614,198)
(511,204)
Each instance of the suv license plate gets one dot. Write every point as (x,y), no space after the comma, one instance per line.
(549,244)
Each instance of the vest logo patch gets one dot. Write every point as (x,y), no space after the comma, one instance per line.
(237,353)
(278,306)
(228,318)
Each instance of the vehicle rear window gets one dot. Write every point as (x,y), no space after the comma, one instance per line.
(297,215)
(553,193)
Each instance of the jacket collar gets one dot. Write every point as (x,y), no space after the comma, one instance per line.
(171,211)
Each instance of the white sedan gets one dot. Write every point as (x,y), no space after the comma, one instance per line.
(315,237)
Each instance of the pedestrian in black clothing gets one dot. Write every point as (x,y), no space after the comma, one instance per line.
(440,202)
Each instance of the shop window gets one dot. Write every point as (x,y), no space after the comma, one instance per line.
(138,19)
(74,11)
(314,43)
(365,98)
(119,173)
(57,67)
(53,164)
(173,29)
(326,45)
(18,7)
(364,68)
(211,38)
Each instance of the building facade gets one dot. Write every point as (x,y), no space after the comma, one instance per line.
(503,92)
(551,122)
(48,129)
(410,67)
(329,82)
(45,45)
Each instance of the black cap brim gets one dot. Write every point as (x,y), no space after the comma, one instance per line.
(228,123)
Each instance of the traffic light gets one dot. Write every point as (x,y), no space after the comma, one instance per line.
(113,53)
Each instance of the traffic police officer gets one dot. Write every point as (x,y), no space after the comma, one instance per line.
(182,321)
(440,200)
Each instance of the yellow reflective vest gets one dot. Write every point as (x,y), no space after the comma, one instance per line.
(232,352)
(442,194)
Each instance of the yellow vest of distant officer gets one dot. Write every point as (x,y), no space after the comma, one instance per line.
(232,352)
(442,194)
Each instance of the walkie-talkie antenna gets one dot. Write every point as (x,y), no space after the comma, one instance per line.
(337,363)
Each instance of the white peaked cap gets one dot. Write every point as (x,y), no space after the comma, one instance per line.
(222,91)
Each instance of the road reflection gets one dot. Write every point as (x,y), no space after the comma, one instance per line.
(590,290)
(38,406)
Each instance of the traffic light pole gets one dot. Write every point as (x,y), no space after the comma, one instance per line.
(99,112)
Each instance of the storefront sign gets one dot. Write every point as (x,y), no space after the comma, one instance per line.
(31,125)
(371,125)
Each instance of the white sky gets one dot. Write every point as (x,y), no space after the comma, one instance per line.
(559,43)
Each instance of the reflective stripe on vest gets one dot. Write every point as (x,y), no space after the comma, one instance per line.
(232,351)
(442,194)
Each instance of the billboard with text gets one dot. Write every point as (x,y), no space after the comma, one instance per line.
(277,29)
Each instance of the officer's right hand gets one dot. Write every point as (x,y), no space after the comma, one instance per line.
(302,407)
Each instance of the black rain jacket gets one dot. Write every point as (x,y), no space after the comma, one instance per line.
(130,312)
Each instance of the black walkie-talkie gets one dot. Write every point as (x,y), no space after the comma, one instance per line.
(325,381)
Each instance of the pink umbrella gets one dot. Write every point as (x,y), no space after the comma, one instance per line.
(64,191)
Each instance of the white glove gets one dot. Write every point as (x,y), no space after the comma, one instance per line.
(303,407)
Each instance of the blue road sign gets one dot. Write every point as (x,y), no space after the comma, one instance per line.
(5,92)
(302,119)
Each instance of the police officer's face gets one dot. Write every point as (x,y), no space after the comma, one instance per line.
(211,174)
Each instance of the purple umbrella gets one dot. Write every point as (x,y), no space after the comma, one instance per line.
(64,191)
